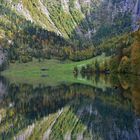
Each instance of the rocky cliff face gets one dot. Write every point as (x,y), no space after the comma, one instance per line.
(84,18)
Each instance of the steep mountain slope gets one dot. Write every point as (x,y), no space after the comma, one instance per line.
(84,18)
(23,40)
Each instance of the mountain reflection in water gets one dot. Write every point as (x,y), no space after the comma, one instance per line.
(108,110)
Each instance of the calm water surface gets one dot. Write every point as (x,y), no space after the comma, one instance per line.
(107,110)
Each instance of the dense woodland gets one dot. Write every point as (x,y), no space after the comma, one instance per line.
(24,41)
(124,56)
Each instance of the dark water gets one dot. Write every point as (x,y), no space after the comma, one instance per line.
(107,110)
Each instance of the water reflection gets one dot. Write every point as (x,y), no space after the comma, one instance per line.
(108,110)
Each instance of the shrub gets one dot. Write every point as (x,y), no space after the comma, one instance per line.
(75,71)
(83,69)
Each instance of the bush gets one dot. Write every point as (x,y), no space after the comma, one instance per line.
(83,69)
(75,71)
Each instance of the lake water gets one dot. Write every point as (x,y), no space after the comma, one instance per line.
(107,109)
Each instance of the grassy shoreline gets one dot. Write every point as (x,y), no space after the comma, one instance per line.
(31,72)
(57,71)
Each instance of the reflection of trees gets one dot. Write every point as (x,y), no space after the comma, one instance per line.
(131,87)
(3,88)
(135,89)
(103,120)
(44,99)
(103,112)
(33,103)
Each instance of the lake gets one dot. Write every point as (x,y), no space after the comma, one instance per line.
(107,109)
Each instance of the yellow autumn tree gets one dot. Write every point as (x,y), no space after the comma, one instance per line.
(124,66)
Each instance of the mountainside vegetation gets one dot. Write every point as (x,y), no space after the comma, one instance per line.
(71,29)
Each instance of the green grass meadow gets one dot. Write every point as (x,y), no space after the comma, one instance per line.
(58,71)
